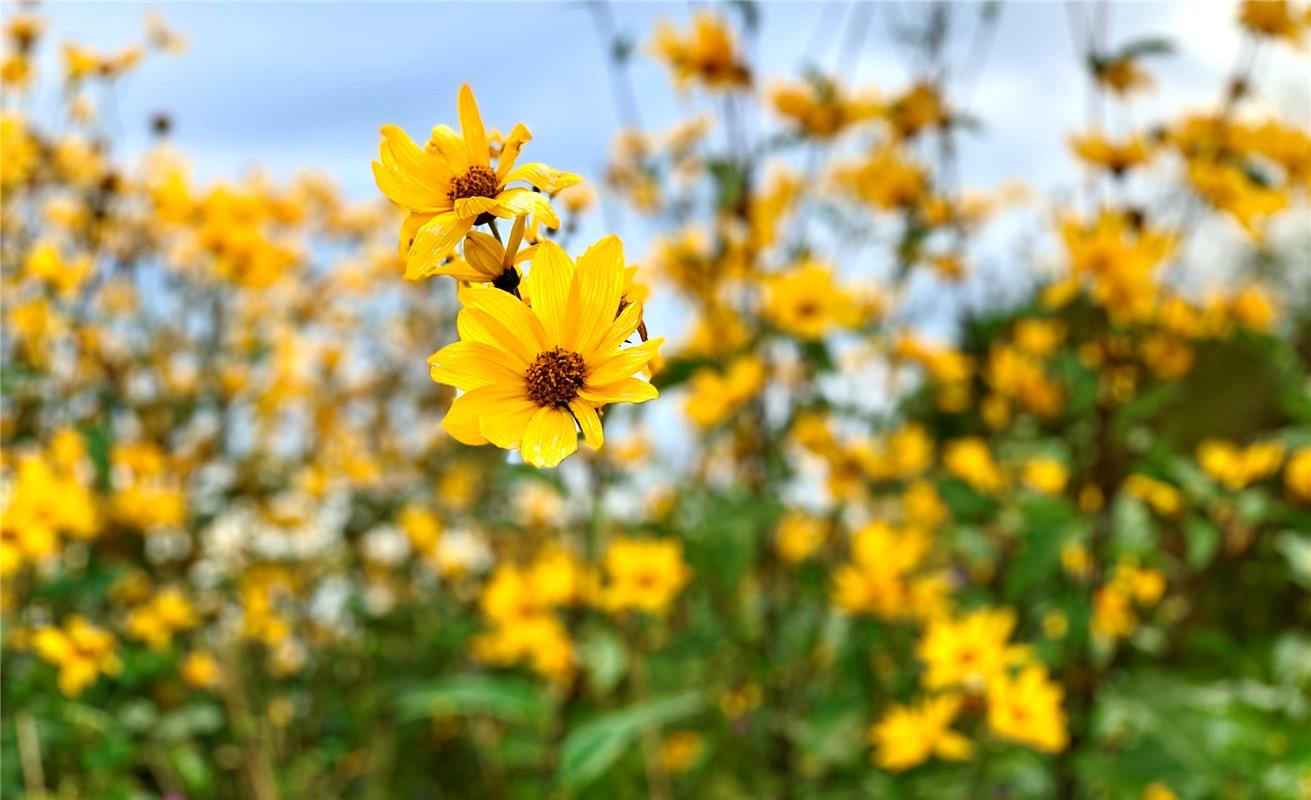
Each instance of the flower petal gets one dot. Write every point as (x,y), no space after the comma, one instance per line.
(510,311)
(410,228)
(479,326)
(628,390)
(623,364)
(505,418)
(549,278)
(589,421)
(461,420)
(600,277)
(543,177)
(621,328)
(408,176)
(461,270)
(473,207)
(550,436)
(434,242)
(471,125)
(469,365)
(450,146)
(517,201)
(518,137)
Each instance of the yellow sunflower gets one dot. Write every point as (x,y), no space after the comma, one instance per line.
(532,376)
(486,260)
(451,185)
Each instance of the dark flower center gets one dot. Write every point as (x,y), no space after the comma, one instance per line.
(479,181)
(555,377)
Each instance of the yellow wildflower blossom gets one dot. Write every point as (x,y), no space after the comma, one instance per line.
(970,651)
(451,185)
(532,377)
(82,652)
(907,736)
(1027,709)
(643,575)
(708,54)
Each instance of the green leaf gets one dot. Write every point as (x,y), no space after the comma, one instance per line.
(192,768)
(504,697)
(604,659)
(1048,524)
(1297,549)
(190,721)
(592,748)
(1203,539)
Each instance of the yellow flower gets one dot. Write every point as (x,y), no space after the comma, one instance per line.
(200,671)
(1231,189)
(161,36)
(1120,255)
(923,506)
(450,186)
(680,750)
(880,580)
(1122,75)
(155,622)
(1115,157)
(509,596)
(1273,18)
(1075,559)
(560,579)
(1038,337)
(970,460)
(1047,475)
(15,71)
(918,108)
(1157,790)
(532,376)
(799,536)
(907,736)
(486,260)
(806,302)
(1252,308)
(1239,467)
(644,575)
(1297,475)
(708,54)
(820,106)
(422,528)
(1027,709)
(769,206)
(541,640)
(715,396)
(18,150)
(82,652)
(44,263)
(885,180)
(45,501)
(1161,496)
(969,651)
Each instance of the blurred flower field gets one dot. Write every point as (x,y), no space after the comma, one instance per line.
(781,539)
